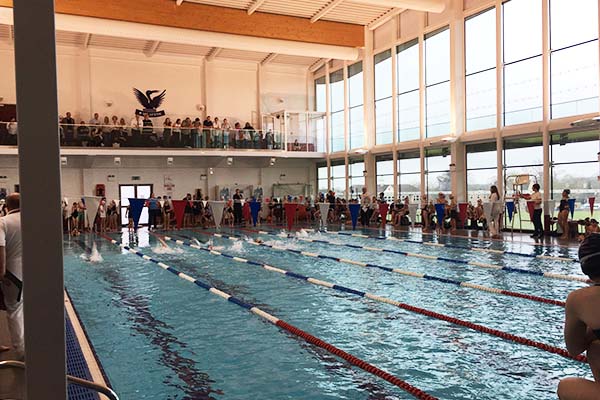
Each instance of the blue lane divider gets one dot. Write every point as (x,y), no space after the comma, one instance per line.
(436,258)
(416,392)
(454,246)
(388,269)
(404,306)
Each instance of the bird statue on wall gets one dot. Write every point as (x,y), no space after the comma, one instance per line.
(147,101)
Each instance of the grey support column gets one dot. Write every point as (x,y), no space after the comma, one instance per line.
(41,223)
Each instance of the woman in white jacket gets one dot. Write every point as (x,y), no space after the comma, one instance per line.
(496,211)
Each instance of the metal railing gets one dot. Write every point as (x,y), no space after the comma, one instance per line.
(71,379)
(185,137)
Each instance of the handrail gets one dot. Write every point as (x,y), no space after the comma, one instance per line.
(71,379)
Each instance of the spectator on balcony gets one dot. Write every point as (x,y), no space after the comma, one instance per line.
(216,133)
(269,139)
(136,133)
(83,134)
(106,132)
(248,135)
(296,146)
(148,129)
(95,120)
(69,129)
(225,127)
(120,133)
(196,140)
(176,138)
(238,138)
(12,132)
(207,125)
(167,130)
(186,125)
(97,140)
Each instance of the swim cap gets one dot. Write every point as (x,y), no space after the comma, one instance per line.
(589,256)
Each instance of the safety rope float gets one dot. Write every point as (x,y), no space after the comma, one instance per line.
(432,314)
(416,392)
(478,264)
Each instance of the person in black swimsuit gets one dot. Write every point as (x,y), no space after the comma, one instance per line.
(563,214)
(582,325)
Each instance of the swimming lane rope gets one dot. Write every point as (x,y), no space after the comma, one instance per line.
(404,306)
(416,392)
(451,260)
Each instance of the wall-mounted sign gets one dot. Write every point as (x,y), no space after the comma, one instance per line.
(149,102)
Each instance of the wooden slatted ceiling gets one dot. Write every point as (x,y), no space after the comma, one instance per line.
(184,49)
(355,13)
(294,60)
(242,55)
(117,43)
(5,31)
(70,38)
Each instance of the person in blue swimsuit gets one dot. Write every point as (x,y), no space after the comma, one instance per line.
(582,325)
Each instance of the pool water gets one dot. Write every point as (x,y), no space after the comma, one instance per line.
(160,337)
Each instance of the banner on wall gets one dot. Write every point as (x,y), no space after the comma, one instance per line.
(168,185)
(150,102)
(572,207)
(290,214)
(254,210)
(135,210)
(179,209)
(354,211)
(217,209)
(324,209)
(439,212)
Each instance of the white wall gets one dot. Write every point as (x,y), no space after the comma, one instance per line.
(87,79)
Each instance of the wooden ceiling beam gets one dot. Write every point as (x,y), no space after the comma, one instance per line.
(254,6)
(325,10)
(210,18)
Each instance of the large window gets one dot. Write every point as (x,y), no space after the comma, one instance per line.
(482,170)
(336,91)
(338,177)
(385,176)
(522,157)
(523,87)
(356,177)
(409,103)
(575,167)
(322,178)
(383,97)
(356,98)
(320,94)
(437,81)
(574,57)
(409,175)
(437,165)
(480,67)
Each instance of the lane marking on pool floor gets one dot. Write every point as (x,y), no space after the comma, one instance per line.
(413,390)
(478,264)
(480,328)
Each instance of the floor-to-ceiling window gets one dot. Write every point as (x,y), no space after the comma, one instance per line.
(575,166)
(384,165)
(409,175)
(322,177)
(338,177)
(574,57)
(482,170)
(336,108)
(383,97)
(522,57)
(480,69)
(437,81)
(437,165)
(356,101)
(407,78)
(356,176)
(320,106)
(523,163)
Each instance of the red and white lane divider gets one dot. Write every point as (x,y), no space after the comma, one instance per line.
(432,314)
(416,392)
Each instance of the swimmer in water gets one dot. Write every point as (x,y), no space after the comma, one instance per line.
(582,325)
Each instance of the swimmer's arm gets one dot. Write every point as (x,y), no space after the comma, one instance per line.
(2,262)
(577,338)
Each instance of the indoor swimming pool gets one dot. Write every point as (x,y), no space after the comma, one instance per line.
(161,337)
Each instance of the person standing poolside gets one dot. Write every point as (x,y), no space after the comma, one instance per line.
(536,197)
(494,223)
(153,211)
(582,325)
(11,273)
(237,207)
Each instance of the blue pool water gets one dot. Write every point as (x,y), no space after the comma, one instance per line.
(160,337)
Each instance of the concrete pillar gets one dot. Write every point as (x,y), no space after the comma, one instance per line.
(369,90)
(39,172)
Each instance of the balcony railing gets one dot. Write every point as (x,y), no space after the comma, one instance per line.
(125,136)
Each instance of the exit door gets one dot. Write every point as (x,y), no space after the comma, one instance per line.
(127,192)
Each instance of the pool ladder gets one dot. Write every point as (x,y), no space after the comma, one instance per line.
(71,379)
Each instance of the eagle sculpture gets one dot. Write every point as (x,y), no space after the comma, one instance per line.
(147,101)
